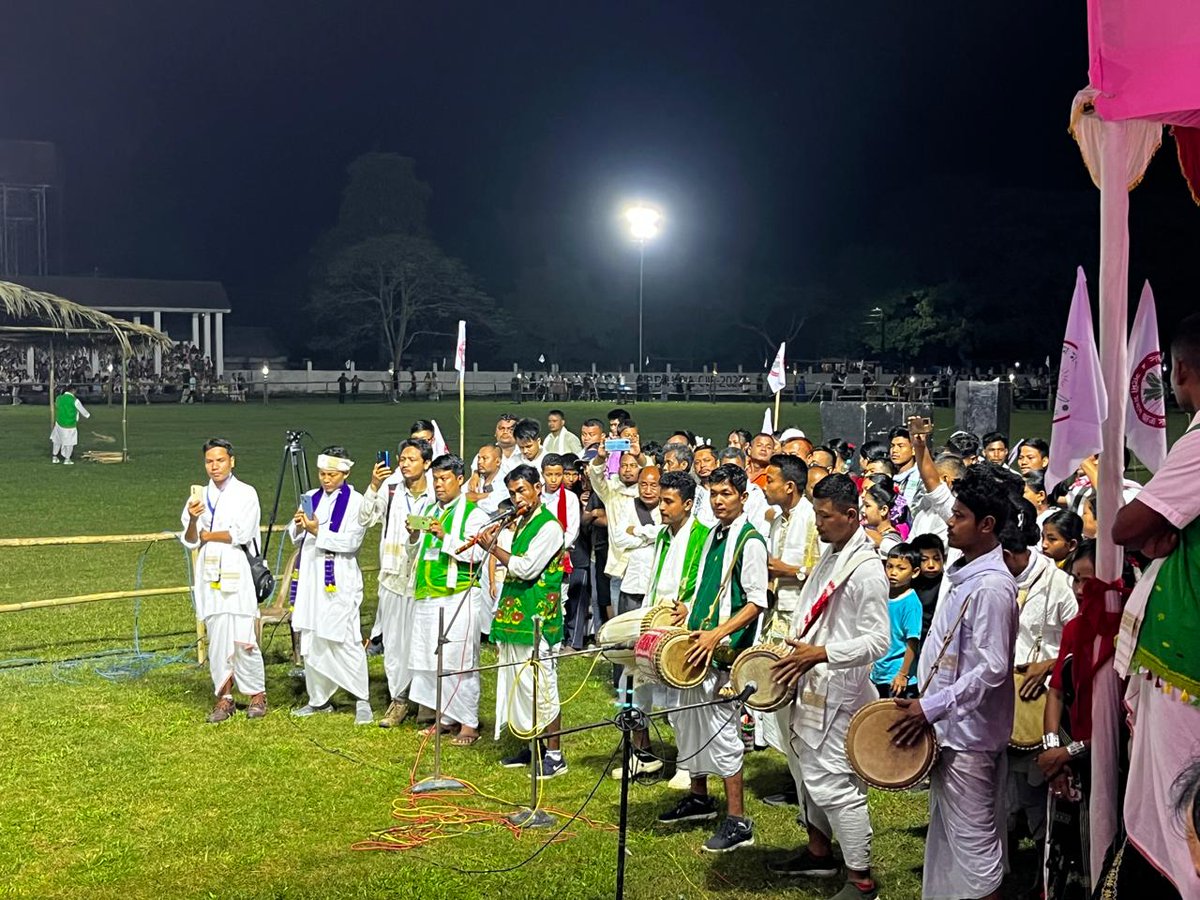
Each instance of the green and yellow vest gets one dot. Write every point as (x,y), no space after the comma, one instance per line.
(521,600)
(691,562)
(65,413)
(438,574)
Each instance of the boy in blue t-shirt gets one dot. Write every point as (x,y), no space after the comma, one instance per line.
(893,672)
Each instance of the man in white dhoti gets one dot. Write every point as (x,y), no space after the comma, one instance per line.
(793,547)
(673,572)
(531,551)
(730,595)
(65,433)
(392,499)
(328,589)
(839,628)
(969,701)
(446,581)
(219,525)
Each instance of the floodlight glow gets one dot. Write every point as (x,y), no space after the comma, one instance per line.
(266,370)
(644,222)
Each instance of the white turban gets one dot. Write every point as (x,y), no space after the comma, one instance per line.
(334,463)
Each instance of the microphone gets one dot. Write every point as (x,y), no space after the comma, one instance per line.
(503,510)
(747,692)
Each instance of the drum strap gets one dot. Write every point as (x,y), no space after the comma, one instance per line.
(945,645)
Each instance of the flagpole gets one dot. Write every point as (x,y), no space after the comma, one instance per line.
(776,419)
(462,421)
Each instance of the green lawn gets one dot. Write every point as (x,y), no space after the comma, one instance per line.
(115,787)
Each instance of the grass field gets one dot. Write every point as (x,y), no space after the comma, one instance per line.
(115,787)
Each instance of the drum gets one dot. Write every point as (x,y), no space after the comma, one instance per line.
(660,657)
(755,665)
(878,761)
(626,629)
(1027,727)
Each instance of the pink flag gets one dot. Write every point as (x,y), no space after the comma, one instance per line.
(1146,415)
(460,350)
(777,377)
(1081,403)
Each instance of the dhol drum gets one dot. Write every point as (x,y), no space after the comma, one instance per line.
(754,665)
(878,761)
(660,657)
(1027,727)
(617,636)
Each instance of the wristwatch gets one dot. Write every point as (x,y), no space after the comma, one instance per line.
(1050,740)
(1076,748)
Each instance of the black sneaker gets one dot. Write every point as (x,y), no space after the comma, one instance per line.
(691,808)
(519,760)
(734,832)
(552,766)
(805,864)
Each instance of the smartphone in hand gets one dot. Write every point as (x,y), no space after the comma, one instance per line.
(385,457)
(306,506)
(197,495)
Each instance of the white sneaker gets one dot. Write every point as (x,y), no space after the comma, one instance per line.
(54,459)
(308,709)
(639,766)
(362,713)
(68,462)
(681,780)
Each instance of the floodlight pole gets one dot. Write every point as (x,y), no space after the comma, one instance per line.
(641,280)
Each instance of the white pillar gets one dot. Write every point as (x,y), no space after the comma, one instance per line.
(220,359)
(195,329)
(207,335)
(157,349)
(29,361)
(95,360)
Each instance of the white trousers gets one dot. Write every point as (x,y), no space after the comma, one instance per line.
(515,686)
(394,616)
(460,693)
(59,445)
(964,850)
(835,799)
(329,665)
(708,738)
(233,650)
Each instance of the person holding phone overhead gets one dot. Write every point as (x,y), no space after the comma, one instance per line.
(220,520)
(327,589)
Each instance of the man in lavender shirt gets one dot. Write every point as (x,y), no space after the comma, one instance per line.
(969,698)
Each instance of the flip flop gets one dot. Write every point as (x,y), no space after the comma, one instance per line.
(429,730)
(465,740)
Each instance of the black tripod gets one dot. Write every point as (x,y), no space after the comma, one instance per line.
(295,461)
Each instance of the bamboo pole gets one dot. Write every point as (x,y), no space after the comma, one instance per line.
(93,598)
(53,420)
(462,415)
(775,421)
(54,541)
(125,405)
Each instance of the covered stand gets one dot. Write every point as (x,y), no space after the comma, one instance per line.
(28,317)
(1144,74)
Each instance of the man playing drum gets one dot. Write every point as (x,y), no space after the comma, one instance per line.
(730,595)
(967,668)
(839,628)
(673,572)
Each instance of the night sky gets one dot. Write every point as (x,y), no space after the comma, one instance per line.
(784,141)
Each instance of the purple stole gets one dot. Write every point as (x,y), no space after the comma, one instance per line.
(340,502)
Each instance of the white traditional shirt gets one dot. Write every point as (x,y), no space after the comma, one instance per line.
(670,570)
(329,613)
(223,583)
(754,568)
(970,699)
(639,551)
(1047,603)
(617,498)
(392,504)
(571,528)
(793,540)
(563,442)
(931,511)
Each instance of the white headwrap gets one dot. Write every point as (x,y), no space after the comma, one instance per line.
(334,463)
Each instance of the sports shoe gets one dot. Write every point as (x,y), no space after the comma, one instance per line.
(639,765)
(804,863)
(258,706)
(54,459)
(553,765)
(395,714)
(692,808)
(362,713)
(851,891)
(734,832)
(681,780)
(68,462)
(308,709)
(519,760)
(375,646)
(222,711)
(296,672)
(785,798)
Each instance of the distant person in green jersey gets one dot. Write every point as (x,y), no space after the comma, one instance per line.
(65,435)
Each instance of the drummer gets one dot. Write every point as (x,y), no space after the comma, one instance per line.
(968,696)
(730,594)
(840,627)
(672,581)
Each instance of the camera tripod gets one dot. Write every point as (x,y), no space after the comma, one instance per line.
(295,461)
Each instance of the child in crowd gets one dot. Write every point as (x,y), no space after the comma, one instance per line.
(876,511)
(893,674)
(1035,493)
(1061,534)
(928,580)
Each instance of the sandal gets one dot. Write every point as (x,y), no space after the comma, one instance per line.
(465,740)
(428,731)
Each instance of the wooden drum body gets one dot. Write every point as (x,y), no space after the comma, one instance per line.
(878,761)
(755,665)
(626,629)
(1027,728)
(660,657)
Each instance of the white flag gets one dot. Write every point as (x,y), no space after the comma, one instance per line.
(768,426)
(1081,404)
(460,351)
(1146,415)
(438,444)
(777,377)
